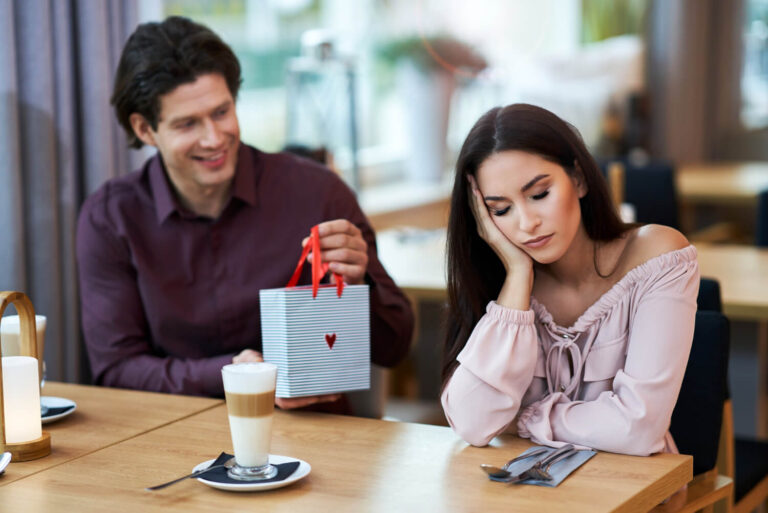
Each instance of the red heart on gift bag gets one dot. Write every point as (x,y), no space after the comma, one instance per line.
(330,340)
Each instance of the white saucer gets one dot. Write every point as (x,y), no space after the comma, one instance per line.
(56,402)
(274,459)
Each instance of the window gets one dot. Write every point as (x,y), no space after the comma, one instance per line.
(754,78)
(530,48)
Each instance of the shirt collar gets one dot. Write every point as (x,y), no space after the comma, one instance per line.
(243,184)
(165,202)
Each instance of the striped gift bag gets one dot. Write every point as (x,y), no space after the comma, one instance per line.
(318,335)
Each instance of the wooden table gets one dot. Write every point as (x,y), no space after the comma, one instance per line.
(718,201)
(357,465)
(743,275)
(104,416)
(726,183)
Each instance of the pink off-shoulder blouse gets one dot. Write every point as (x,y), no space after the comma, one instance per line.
(609,382)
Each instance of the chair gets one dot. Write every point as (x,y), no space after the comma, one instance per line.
(698,414)
(709,295)
(651,188)
(743,459)
(761,227)
(372,402)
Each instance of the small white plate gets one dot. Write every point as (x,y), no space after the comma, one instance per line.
(274,459)
(56,402)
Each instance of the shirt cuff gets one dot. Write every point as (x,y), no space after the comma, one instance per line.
(505,314)
(211,381)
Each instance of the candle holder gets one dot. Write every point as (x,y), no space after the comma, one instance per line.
(37,447)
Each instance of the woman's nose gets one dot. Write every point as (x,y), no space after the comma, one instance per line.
(529,220)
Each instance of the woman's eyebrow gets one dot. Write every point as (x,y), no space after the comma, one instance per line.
(532,182)
(522,189)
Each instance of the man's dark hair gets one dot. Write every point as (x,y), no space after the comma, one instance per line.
(158,58)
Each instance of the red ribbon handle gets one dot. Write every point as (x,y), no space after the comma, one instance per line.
(319,268)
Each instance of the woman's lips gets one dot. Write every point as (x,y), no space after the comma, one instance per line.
(539,241)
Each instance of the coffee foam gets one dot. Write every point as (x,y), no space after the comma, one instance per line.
(249,378)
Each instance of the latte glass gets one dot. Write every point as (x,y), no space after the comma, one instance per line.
(250,392)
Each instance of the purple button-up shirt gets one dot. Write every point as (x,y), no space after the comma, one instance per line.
(169,297)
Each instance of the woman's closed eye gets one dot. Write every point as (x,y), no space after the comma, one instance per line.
(540,195)
(499,211)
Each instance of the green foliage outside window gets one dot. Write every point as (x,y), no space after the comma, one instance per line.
(602,19)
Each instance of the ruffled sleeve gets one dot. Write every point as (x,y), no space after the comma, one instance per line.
(495,369)
(633,417)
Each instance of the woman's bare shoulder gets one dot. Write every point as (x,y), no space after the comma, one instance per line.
(651,240)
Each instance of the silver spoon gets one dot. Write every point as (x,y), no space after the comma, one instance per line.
(491,470)
(227,464)
(5,459)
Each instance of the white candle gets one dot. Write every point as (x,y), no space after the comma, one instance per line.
(21,399)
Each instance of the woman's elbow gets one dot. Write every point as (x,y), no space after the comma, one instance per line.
(472,435)
(640,439)
(470,428)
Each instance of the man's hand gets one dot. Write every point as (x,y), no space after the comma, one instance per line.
(249,355)
(287,403)
(344,248)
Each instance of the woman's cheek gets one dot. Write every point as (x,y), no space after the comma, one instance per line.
(504,224)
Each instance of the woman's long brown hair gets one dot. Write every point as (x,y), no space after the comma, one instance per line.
(475,273)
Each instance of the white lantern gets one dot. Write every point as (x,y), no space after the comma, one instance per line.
(21,399)
(20,425)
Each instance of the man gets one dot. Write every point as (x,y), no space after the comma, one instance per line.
(172,257)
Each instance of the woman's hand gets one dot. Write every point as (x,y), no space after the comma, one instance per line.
(516,291)
(513,258)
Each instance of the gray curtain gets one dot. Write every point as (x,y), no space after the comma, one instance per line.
(59,141)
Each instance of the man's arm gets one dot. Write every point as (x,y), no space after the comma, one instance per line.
(114,321)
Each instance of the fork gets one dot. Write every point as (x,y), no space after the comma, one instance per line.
(499,471)
(540,471)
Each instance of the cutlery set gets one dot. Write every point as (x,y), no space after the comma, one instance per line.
(538,471)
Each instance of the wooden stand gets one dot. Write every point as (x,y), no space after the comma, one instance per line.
(33,449)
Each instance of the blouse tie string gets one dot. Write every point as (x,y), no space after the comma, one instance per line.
(557,359)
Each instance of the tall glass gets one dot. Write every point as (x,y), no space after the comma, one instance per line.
(250,392)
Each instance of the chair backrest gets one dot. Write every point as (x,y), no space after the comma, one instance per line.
(709,295)
(698,414)
(761,226)
(651,189)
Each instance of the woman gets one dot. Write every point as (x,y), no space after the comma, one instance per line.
(564,322)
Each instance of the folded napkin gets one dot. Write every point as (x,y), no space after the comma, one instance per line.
(219,475)
(57,410)
(558,471)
